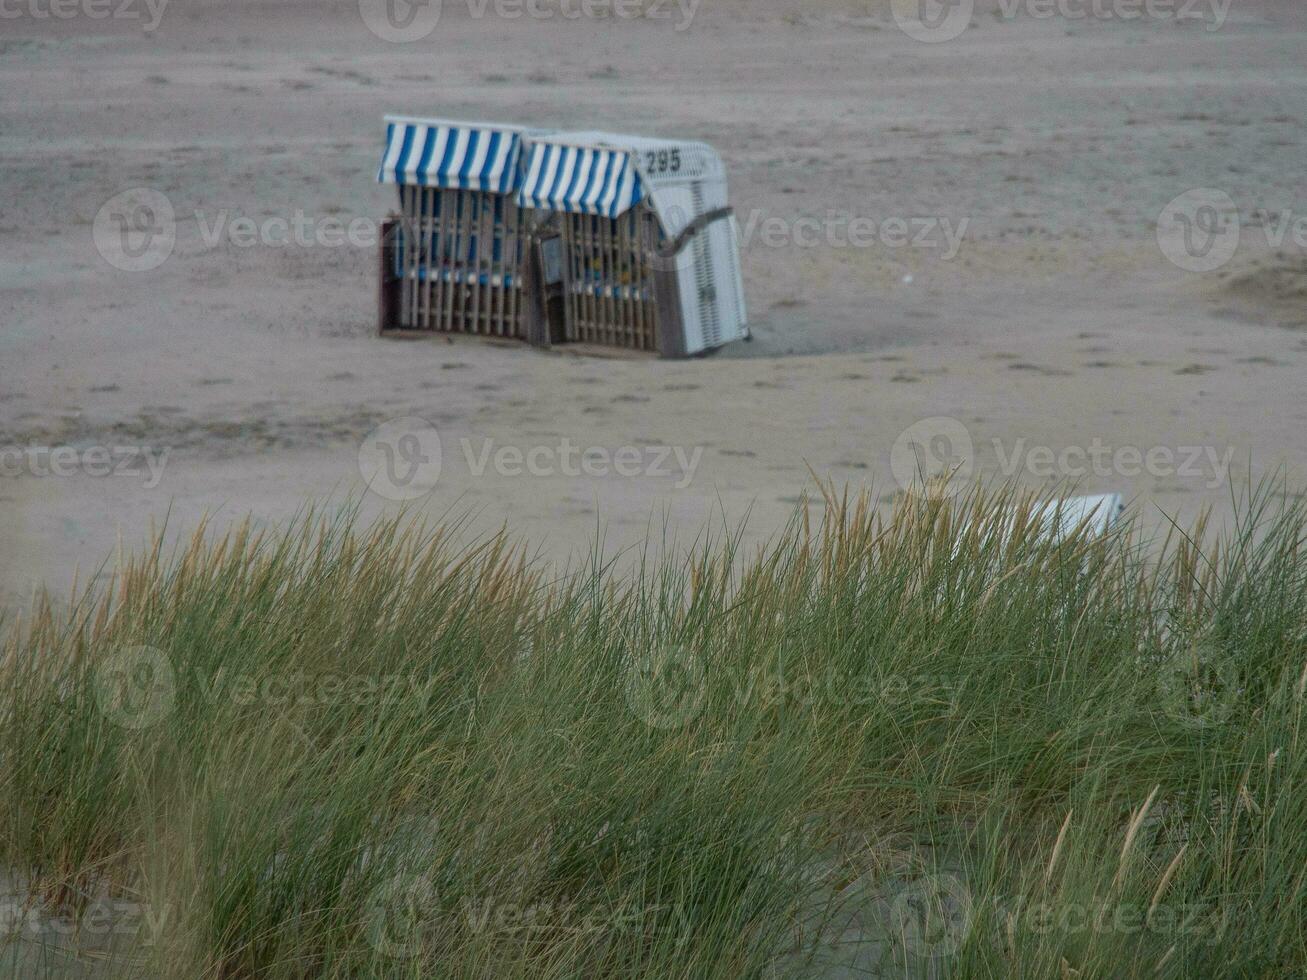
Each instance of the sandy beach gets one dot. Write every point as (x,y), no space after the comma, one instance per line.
(1007,276)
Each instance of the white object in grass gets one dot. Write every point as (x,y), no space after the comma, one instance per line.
(1098,512)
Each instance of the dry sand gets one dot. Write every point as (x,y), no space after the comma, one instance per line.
(1057,323)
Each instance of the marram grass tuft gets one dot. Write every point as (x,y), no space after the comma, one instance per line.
(935,742)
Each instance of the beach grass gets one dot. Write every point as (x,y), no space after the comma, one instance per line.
(934,742)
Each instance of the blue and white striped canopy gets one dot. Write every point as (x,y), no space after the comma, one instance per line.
(479,158)
(580,180)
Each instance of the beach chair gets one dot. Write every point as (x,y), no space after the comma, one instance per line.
(558,237)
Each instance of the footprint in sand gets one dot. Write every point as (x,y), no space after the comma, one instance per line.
(1047,372)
